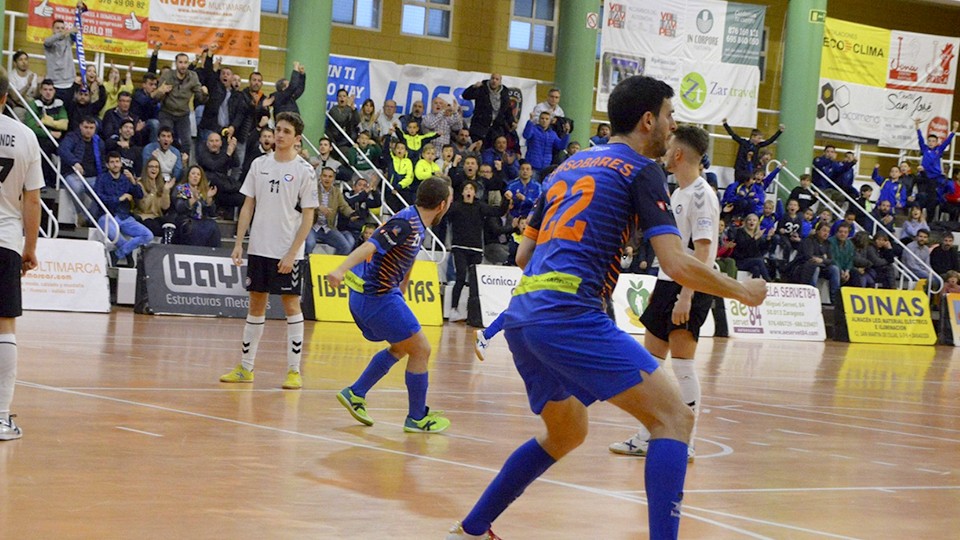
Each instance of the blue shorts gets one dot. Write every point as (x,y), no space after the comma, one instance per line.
(587,357)
(383,318)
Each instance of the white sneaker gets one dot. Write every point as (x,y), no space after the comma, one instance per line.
(457,533)
(9,430)
(634,446)
(481,346)
(456,315)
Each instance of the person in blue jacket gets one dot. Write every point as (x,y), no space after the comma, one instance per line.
(542,142)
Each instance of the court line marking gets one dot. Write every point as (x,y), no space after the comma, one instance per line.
(796,432)
(831,395)
(138,431)
(825,489)
(559,483)
(904,446)
(728,420)
(884,463)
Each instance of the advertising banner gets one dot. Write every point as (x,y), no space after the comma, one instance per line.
(888,316)
(332,303)
(190,26)
(630,298)
(953,308)
(707,50)
(71,276)
(790,312)
(874,82)
(495,285)
(189,280)
(109,26)
(380,80)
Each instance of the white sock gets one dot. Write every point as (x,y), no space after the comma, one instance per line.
(689,383)
(251,340)
(8,372)
(294,341)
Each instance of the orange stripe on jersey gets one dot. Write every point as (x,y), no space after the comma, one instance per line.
(531,233)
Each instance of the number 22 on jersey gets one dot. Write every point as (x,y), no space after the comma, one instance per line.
(573,200)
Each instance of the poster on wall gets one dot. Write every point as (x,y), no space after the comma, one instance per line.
(707,50)
(874,82)
(109,26)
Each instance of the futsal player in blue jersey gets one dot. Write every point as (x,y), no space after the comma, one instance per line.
(377,273)
(567,350)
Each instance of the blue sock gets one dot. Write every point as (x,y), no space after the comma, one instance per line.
(495,327)
(664,473)
(379,366)
(417,394)
(525,465)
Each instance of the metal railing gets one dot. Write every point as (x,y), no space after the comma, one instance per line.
(384,184)
(62,183)
(902,268)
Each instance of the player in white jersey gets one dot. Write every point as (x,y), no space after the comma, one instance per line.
(275,186)
(20,181)
(697,213)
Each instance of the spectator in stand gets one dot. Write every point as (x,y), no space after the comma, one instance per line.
(919,263)
(845,179)
(951,284)
(53,118)
(444,119)
(602,136)
(709,176)
(285,98)
(425,168)
(513,241)
(152,208)
(449,163)
(888,251)
(177,88)
(864,258)
(769,218)
(264,147)
(226,108)
(217,164)
(119,191)
(366,147)
(332,205)
(725,247)
(368,119)
(414,140)
(415,115)
(81,158)
(324,157)
(388,123)
(814,261)
(551,105)
(256,118)
(131,155)
(195,210)
(363,199)
(883,214)
(943,256)
(542,142)
(524,191)
(913,225)
(171,160)
(112,87)
(932,152)
(850,218)
(572,148)
(24,82)
(86,101)
(864,206)
(465,171)
(788,230)
(503,161)
(145,107)
(346,115)
(497,231)
(748,153)
(463,146)
(750,245)
(807,225)
(466,217)
(400,173)
(492,114)
(115,117)
(891,189)
(58,51)
(842,253)
(493,182)
(803,194)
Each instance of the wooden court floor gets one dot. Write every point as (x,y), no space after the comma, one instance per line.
(128,434)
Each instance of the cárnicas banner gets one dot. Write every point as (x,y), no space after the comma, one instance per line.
(188,280)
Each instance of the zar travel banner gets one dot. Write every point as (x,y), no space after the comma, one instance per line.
(109,26)
(707,50)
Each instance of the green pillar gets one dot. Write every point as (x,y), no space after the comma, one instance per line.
(801,80)
(308,42)
(3,22)
(576,64)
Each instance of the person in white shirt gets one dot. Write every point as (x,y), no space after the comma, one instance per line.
(24,81)
(697,212)
(275,186)
(20,181)
(551,105)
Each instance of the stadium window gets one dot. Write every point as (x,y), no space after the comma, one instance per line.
(359,13)
(764,45)
(533,26)
(428,18)
(275,7)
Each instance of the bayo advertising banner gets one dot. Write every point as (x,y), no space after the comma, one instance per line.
(707,50)
(380,80)
(874,82)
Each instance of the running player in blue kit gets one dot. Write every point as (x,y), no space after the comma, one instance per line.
(377,273)
(567,350)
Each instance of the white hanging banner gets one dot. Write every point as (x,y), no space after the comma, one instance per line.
(71,276)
